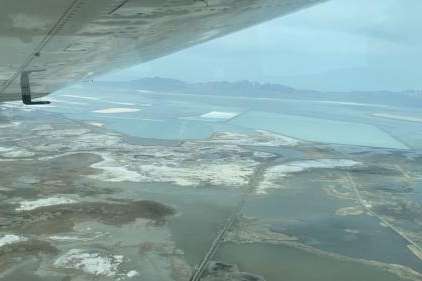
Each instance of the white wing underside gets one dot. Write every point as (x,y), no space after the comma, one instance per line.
(73,40)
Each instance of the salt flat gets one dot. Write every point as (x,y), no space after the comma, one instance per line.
(219,115)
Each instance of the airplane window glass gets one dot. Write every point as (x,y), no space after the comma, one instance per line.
(209,140)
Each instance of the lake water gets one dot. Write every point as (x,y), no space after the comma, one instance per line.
(279,262)
(307,212)
(178,116)
(200,212)
(319,130)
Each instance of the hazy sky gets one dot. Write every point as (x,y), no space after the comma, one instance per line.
(338,45)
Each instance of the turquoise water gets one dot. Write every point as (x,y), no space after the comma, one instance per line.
(176,116)
(164,129)
(409,133)
(319,130)
(158,117)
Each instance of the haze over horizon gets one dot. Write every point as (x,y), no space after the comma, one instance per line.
(336,46)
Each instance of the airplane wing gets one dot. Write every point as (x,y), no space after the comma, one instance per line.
(65,41)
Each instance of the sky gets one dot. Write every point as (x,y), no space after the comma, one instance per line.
(340,45)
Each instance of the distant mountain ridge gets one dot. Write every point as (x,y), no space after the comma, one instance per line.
(263,90)
(155,83)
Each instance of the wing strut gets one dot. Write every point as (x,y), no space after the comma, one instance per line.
(26,88)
